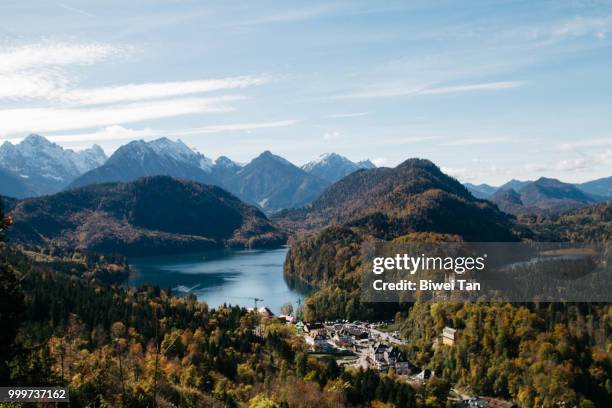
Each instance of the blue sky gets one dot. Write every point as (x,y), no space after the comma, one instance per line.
(487,90)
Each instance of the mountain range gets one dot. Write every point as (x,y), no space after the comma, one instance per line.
(597,190)
(37,166)
(42,167)
(152,215)
(544,194)
(268,181)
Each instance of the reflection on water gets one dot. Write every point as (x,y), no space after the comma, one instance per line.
(223,276)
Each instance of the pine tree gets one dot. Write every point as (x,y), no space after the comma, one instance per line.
(11,308)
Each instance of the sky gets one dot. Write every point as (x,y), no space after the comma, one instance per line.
(487,90)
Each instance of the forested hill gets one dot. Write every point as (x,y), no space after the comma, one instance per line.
(415,201)
(152,215)
(414,196)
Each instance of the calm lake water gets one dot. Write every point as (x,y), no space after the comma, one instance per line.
(224,276)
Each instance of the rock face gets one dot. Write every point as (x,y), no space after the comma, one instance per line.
(148,216)
(46,167)
(332,167)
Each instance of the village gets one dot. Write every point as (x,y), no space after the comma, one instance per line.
(373,345)
(360,344)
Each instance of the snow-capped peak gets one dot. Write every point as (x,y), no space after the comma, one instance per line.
(179,151)
(332,166)
(226,162)
(47,165)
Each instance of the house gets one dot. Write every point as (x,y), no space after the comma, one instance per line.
(424,375)
(314,328)
(384,357)
(448,336)
(288,319)
(318,342)
(265,312)
(396,359)
(356,332)
(342,339)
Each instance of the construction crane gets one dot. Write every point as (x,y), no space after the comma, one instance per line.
(254,299)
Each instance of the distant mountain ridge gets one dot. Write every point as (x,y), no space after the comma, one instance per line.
(481,190)
(600,188)
(45,167)
(544,194)
(148,216)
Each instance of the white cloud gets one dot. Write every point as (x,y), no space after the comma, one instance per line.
(113,132)
(489,86)
(117,132)
(605,157)
(347,115)
(380,161)
(462,173)
(48,53)
(584,26)
(599,142)
(572,164)
(535,167)
(398,89)
(136,92)
(41,70)
(331,135)
(60,119)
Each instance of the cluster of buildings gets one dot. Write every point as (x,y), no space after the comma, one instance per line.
(372,348)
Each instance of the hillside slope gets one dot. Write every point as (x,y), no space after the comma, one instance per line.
(148,216)
(12,186)
(414,196)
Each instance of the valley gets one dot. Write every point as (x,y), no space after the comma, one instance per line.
(196,262)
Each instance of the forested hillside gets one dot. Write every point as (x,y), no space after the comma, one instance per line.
(143,347)
(149,216)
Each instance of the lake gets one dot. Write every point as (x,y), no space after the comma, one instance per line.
(221,276)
